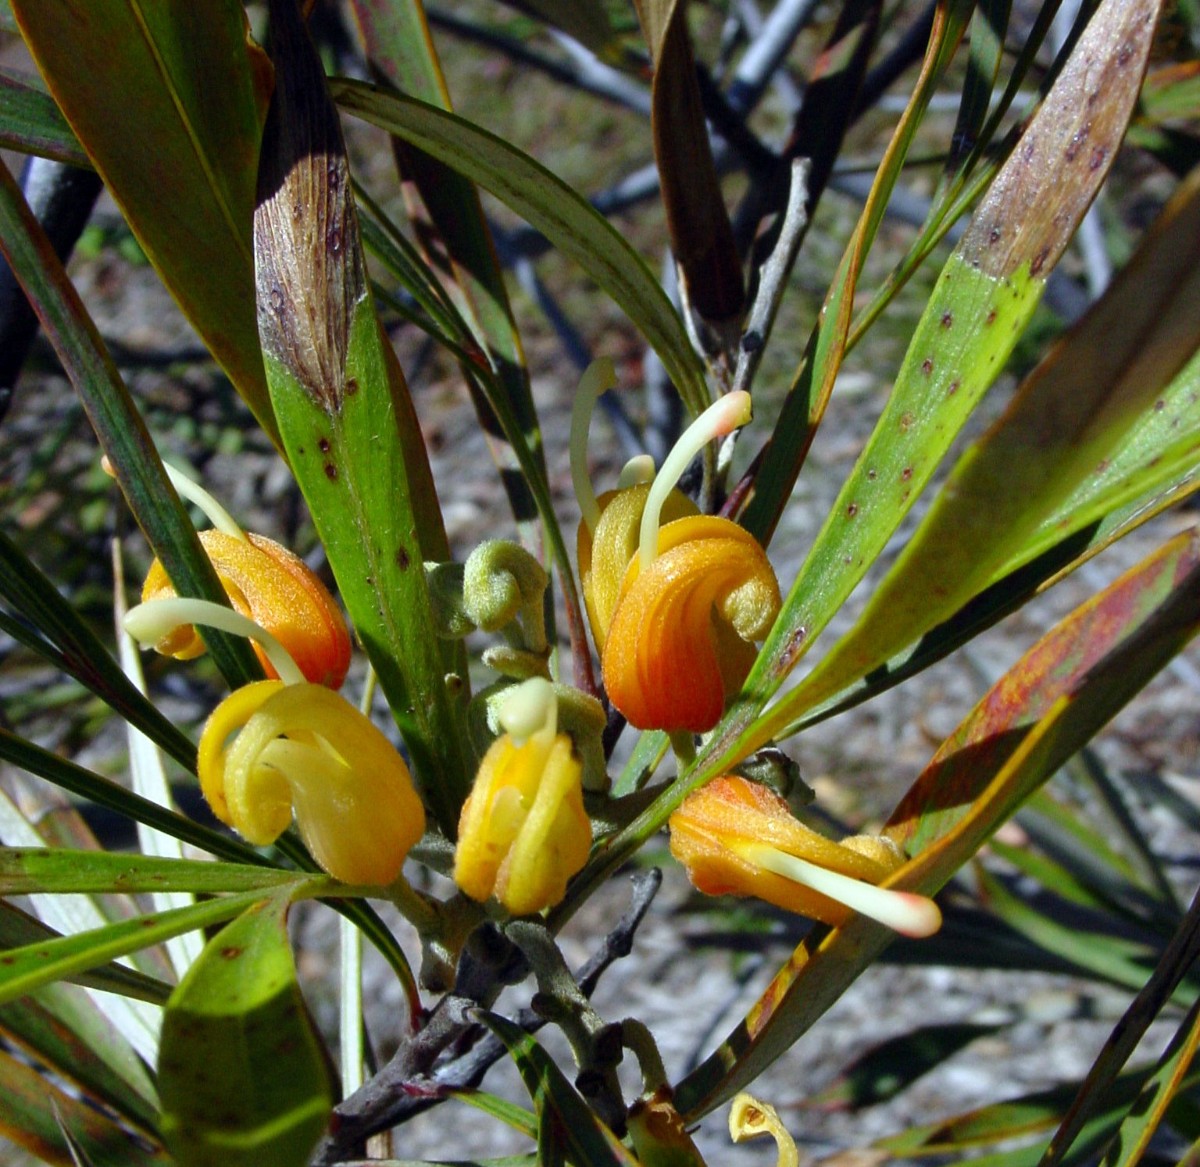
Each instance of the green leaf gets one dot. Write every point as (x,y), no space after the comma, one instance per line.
(453,233)
(447,220)
(1149,1112)
(83,783)
(1101,955)
(65,1030)
(1004,1122)
(563,1116)
(25,870)
(1103,417)
(194,85)
(242,1076)
(892,1066)
(807,398)
(499,1108)
(18,929)
(1163,984)
(66,639)
(31,123)
(986,293)
(549,205)
(347,421)
(119,427)
(36,1112)
(27,968)
(1057,696)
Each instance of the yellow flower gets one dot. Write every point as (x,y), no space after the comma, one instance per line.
(736,837)
(272,750)
(749,1118)
(276,589)
(523,831)
(674,609)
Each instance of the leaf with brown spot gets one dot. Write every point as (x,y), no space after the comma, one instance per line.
(359,457)
(1041,712)
(1032,209)
(242,1075)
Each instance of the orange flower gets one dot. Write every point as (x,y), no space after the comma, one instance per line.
(267,584)
(604,553)
(674,610)
(272,750)
(682,632)
(523,831)
(736,837)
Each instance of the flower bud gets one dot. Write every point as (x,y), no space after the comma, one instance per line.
(523,831)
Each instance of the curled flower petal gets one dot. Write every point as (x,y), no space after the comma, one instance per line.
(523,831)
(749,1118)
(274,588)
(736,837)
(604,554)
(270,751)
(682,630)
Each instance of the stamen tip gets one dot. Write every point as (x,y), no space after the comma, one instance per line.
(915,916)
(144,623)
(734,410)
(528,708)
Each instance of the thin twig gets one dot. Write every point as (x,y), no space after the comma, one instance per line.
(415,1079)
(772,279)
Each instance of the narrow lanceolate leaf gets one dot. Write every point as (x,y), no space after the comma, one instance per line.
(1169,970)
(454,238)
(66,1031)
(807,398)
(193,83)
(1118,389)
(345,416)
(1166,1084)
(73,915)
(241,1075)
(33,965)
(35,1114)
(19,929)
(114,417)
(27,870)
(83,783)
(701,234)
(979,306)
(551,206)
(564,1119)
(1056,697)
(69,642)
(31,123)
(1014,1118)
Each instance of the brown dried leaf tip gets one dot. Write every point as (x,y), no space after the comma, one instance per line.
(308,263)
